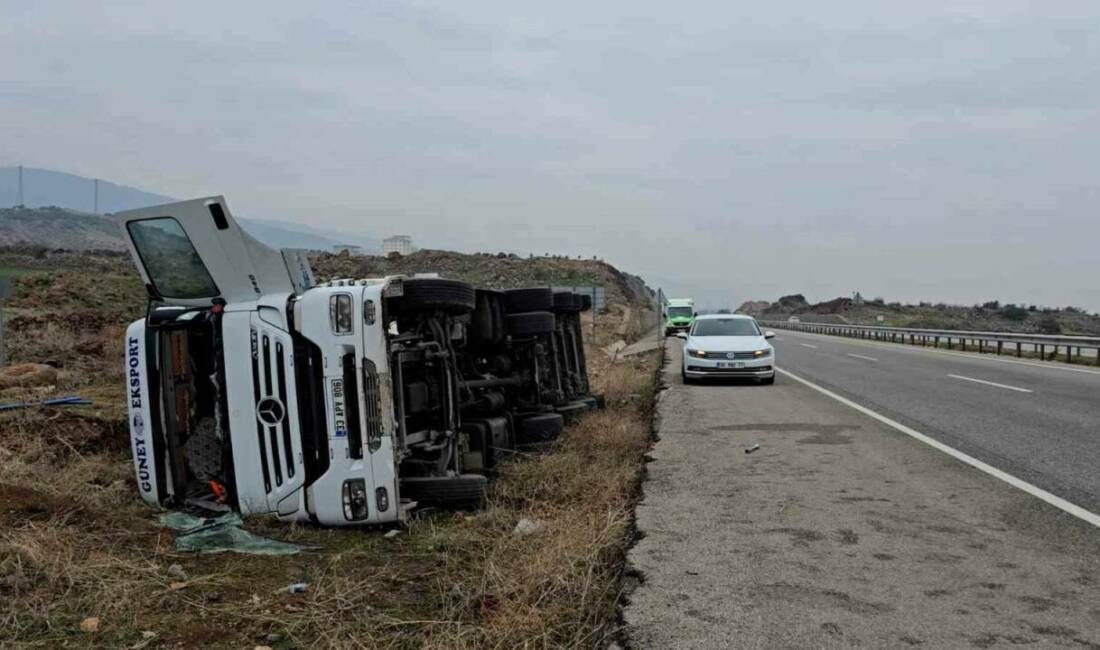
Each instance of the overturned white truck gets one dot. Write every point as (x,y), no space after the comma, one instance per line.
(342,404)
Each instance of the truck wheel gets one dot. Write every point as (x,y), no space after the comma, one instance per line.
(566,302)
(462,491)
(429,294)
(530,323)
(542,427)
(684,377)
(522,300)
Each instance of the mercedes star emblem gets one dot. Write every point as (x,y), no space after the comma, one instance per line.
(270,411)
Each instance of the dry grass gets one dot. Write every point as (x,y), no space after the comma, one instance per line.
(76,542)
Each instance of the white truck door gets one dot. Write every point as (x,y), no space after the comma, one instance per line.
(192,251)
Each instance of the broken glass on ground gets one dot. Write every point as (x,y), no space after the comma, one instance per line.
(220,534)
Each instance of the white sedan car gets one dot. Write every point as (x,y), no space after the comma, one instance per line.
(725,345)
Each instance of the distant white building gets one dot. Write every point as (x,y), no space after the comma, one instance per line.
(352,249)
(400,244)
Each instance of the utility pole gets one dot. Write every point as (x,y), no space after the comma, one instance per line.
(95,202)
(19,204)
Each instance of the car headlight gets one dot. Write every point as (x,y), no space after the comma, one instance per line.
(761,353)
(697,353)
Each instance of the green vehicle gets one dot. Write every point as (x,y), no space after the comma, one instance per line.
(679,315)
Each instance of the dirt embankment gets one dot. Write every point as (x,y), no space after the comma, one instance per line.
(493,270)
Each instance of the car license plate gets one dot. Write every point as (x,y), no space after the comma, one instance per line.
(731,364)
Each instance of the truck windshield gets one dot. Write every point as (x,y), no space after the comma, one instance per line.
(170,260)
(725,327)
(679,312)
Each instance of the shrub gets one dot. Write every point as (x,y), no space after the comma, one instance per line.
(1014,313)
(1049,325)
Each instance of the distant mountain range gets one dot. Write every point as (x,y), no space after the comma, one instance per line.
(70,223)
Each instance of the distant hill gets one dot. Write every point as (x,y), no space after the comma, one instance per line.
(55,227)
(42,187)
(75,195)
(990,316)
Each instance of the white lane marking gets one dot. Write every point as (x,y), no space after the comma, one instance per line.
(917,349)
(991,383)
(807,345)
(860,356)
(1056,501)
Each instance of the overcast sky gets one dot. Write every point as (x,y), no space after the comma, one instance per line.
(727,150)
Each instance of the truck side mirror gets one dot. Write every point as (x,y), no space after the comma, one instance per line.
(769,334)
(682,335)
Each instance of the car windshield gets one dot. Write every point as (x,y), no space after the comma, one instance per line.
(725,327)
(679,312)
(171,261)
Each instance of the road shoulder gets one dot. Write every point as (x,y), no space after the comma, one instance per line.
(840,531)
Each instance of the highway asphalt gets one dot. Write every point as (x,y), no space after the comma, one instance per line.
(1039,421)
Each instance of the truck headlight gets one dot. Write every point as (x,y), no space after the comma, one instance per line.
(381,499)
(761,353)
(697,353)
(355,499)
(339,313)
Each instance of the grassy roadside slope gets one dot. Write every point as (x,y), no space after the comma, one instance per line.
(75,542)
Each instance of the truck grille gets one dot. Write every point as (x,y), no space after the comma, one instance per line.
(269,389)
(373,398)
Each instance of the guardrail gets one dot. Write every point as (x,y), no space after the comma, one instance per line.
(958,339)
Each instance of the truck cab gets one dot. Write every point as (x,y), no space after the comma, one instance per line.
(679,314)
(250,388)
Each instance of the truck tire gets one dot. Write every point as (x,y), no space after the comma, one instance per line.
(430,294)
(462,491)
(566,302)
(532,323)
(542,427)
(522,300)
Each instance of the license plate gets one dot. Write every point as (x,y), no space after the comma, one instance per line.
(731,364)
